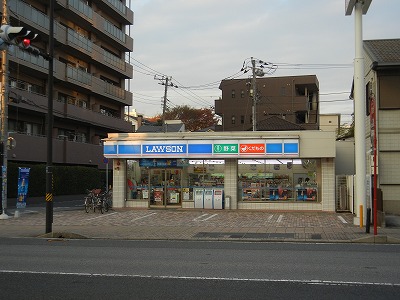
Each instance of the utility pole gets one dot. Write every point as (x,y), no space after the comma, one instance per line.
(4,118)
(164,104)
(264,68)
(254,112)
(168,82)
(49,165)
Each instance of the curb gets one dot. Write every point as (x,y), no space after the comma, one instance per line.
(378,239)
(62,235)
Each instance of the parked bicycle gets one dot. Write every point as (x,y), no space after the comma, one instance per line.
(106,197)
(94,200)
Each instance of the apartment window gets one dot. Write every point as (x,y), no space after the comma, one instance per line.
(241,94)
(242,119)
(108,111)
(233,93)
(233,119)
(389,89)
(82,103)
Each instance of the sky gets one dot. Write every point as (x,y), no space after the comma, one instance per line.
(198,43)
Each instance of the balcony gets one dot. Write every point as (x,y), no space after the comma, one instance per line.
(34,65)
(117,9)
(38,103)
(219,107)
(83,48)
(76,10)
(64,151)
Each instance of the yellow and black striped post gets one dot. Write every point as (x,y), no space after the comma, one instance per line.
(49,199)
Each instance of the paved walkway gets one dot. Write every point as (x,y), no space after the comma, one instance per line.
(179,224)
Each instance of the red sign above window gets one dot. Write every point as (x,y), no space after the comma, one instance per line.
(252,148)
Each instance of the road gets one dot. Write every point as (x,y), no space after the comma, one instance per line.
(106,269)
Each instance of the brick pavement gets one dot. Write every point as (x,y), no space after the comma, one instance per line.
(179,224)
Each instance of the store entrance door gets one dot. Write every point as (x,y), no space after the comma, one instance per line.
(166,187)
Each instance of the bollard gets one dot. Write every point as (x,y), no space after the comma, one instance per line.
(361,215)
(368,222)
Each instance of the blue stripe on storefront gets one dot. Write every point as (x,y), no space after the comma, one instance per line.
(129,149)
(200,149)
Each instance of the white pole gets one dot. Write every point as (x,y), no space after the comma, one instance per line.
(359,113)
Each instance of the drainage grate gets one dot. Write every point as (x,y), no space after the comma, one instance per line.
(316,237)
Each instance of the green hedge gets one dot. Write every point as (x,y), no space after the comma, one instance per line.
(67,180)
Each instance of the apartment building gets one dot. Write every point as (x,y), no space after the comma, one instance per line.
(282,103)
(90,93)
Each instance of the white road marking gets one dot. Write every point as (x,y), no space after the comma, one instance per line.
(279,219)
(270,217)
(145,216)
(342,219)
(199,217)
(102,216)
(212,216)
(311,282)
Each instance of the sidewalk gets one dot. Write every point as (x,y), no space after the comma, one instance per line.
(180,224)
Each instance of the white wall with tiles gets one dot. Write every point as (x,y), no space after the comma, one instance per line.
(231,181)
(119,182)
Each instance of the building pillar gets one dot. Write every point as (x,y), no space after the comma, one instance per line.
(231,181)
(119,182)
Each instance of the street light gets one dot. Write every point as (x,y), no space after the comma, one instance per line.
(360,7)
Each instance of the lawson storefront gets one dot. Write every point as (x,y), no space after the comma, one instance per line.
(291,170)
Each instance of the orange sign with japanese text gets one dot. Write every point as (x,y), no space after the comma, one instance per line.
(252,148)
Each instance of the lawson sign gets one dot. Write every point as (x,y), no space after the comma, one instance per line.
(204,149)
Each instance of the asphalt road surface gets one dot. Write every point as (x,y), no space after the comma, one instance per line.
(113,269)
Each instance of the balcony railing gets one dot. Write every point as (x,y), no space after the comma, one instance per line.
(114,31)
(113,60)
(79,40)
(82,8)
(31,14)
(26,56)
(114,90)
(79,75)
(118,5)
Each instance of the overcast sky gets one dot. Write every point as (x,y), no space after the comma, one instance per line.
(200,42)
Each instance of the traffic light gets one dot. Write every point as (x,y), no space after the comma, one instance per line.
(9,33)
(26,45)
(20,36)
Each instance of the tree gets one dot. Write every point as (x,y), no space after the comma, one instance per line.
(193,118)
(345,132)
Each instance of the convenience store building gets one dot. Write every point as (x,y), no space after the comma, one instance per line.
(271,170)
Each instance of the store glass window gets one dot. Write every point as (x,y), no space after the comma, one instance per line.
(171,181)
(278,180)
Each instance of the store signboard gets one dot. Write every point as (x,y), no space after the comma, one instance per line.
(226,148)
(164,149)
(252,148)
(204,149)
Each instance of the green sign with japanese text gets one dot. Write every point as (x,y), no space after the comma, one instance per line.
(226,148)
